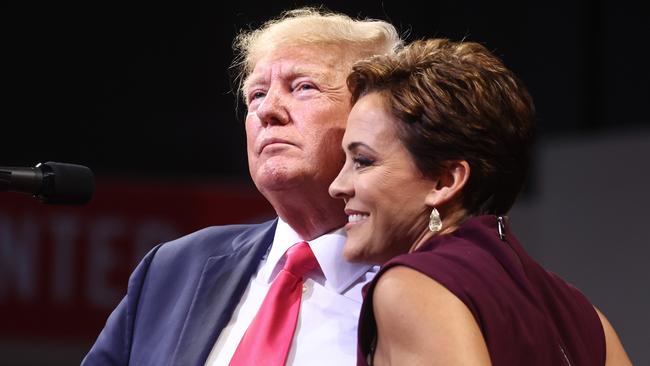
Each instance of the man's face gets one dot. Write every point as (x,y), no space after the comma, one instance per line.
(298,105)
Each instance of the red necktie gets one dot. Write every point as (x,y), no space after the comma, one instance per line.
(268,339)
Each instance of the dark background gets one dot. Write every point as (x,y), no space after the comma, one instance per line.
(143,92)
(129,88)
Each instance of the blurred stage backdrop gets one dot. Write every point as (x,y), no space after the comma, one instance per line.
(142,95)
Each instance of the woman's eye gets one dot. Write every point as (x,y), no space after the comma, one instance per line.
(362,162)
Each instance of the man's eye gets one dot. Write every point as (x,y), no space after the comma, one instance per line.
(256,95)
(305,86)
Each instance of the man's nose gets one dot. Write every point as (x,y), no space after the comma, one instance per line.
(274,108)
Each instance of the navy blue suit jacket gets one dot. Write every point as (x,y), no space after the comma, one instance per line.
(181,296)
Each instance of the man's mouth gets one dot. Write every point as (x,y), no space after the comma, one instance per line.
(273,141)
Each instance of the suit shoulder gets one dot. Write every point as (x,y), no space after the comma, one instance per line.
(216,241)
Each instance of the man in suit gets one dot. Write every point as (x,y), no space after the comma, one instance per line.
(190,301)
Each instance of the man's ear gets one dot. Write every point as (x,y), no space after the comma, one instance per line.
(449,184)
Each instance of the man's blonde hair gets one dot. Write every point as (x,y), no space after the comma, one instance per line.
(308,25)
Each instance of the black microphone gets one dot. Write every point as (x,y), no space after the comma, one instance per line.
(52,183)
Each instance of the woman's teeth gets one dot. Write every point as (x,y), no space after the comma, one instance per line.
(356,217)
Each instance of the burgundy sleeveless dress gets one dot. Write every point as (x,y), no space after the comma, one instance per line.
(527,315)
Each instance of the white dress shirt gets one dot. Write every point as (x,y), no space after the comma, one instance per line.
(326,333)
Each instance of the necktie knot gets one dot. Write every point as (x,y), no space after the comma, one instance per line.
(300,259)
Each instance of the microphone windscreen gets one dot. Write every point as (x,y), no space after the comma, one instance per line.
(70,183)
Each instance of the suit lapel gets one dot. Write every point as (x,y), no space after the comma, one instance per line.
(223,281)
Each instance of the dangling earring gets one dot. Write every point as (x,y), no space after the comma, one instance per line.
(435,223)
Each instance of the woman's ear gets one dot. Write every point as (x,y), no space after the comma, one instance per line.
(449,185)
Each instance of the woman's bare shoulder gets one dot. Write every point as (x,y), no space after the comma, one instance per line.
(419,320)
(615,352)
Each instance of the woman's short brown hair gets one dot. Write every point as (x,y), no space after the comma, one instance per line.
(457,101)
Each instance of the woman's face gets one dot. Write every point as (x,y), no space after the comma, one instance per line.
(383,190)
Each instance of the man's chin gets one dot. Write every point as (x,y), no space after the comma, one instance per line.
(278,181)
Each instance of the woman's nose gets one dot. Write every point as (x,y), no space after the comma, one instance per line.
(341,187)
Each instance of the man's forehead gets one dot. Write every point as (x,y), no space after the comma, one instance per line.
(320,73)
(324,68)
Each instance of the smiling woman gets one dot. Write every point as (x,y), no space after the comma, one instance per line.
(379,174)
(437,148)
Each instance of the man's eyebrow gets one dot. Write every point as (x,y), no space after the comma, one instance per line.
(294,72)
(299,71)
(251,80)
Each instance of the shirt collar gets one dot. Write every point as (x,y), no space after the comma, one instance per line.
(328,249)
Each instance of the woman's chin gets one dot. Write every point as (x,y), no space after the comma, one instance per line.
(352,253)
(357,254)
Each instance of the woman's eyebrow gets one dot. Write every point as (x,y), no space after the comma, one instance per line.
(356,144)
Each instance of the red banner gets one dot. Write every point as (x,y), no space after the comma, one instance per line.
(64,268)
